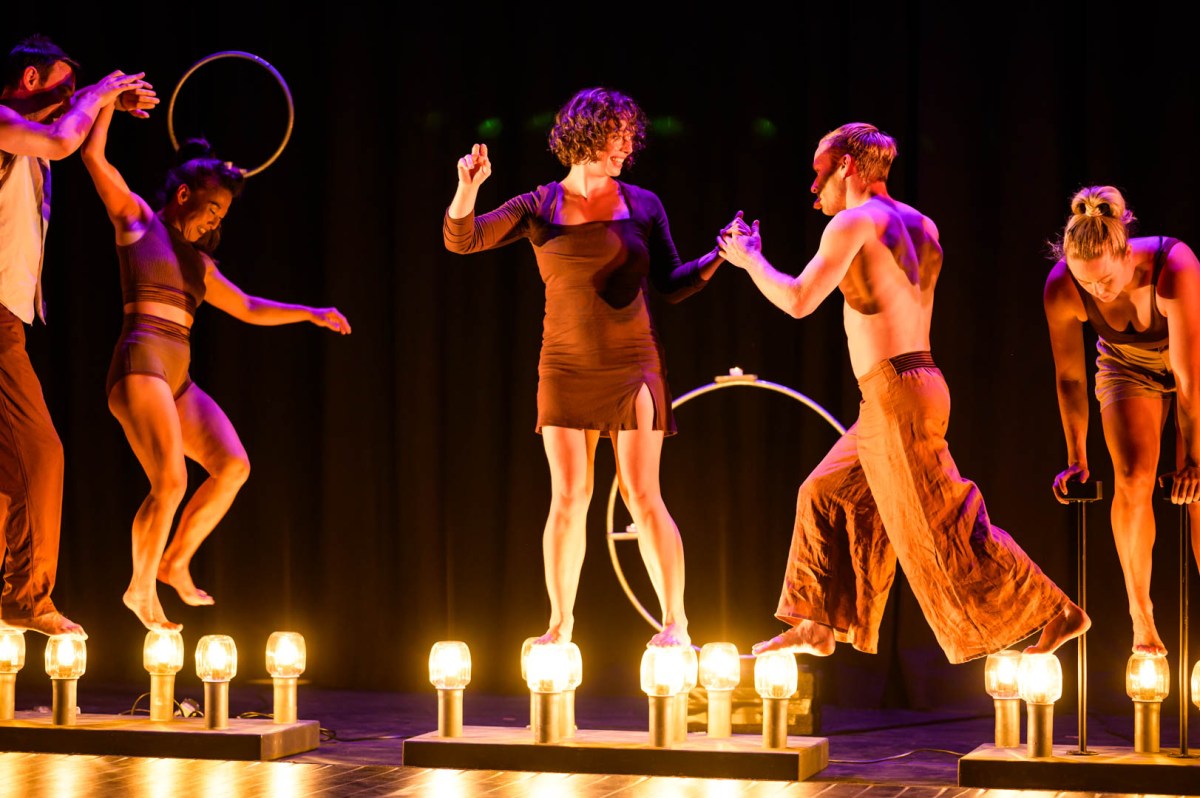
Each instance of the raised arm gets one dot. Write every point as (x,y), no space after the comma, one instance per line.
(1179,299)
(128,212)
(1065,317)
(799,296)
(473,168)
(222,294)
(59,138)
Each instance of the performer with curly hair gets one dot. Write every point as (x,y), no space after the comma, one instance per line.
(600,242)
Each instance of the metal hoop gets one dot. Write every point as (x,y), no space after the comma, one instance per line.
(249,57)
(734,379)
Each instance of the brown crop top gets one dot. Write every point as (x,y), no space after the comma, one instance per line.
(162,266)
(1155,334)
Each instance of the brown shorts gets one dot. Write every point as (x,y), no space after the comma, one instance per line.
(150,345)
(1128,372)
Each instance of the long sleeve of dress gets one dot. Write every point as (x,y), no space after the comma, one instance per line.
(498,228)
(671,277)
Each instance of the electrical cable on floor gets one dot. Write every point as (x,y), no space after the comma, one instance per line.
(894,756)
(333,738)
(184,709)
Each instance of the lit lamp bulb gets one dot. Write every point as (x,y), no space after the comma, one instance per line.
(66,660)
(1000,679)
(690,677)
(574,679)
(662,679)
(450,672)
(1040,677)
(162,657)
(775,680)
(720,672)
(216,665)
(286,658)
(547,673)
(1196,685)
(1147,683)
(12,659)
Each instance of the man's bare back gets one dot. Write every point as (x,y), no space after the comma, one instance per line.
(889,285)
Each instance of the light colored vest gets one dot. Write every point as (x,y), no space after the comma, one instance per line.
(24,216)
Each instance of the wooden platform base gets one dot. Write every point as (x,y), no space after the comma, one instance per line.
(122,735)
(1104,770)
(619,752)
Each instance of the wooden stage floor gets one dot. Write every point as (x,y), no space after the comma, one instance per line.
(872,753)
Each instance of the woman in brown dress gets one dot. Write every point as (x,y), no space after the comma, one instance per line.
(599,242)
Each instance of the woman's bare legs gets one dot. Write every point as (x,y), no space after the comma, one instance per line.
(570,454)
(638,453)
(210,439)
(146,410)
(1132,430)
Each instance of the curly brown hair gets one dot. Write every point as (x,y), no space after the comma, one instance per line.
(583,127)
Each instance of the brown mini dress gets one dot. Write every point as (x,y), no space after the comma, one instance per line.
(599,343)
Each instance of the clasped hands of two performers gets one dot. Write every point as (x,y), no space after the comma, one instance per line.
(737,240)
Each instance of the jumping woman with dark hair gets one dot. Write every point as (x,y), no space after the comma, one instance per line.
(166,272)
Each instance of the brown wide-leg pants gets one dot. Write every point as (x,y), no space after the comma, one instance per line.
(889,491)
(31,481)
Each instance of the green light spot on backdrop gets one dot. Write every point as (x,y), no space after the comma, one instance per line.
(764,128)
(540,122)
(666,126)
(490,128)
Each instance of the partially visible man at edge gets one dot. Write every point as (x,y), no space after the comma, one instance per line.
(43,118)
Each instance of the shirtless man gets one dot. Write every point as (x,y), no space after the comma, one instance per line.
(888,490)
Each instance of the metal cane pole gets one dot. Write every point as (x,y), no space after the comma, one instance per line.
(1079,494)
(1185,535)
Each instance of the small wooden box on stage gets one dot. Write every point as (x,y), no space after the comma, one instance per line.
(1102,770)
(741,756)
(123,735)
(746,716)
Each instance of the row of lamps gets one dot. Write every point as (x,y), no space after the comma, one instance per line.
(1012,676)
(553,671)
(162,657)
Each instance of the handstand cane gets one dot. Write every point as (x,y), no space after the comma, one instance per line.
(1080,493)
(1185,535)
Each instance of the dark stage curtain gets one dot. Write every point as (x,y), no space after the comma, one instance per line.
(398,490)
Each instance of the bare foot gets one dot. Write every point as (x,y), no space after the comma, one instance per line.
(806,637)
(1145,637)
(1067,625)
(557,633)
(177,576)
(149,612)
(48,623)
(673,634)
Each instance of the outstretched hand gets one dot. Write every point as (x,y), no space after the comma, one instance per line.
(475,167)
(138,101)
(331,319)
(741,244)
